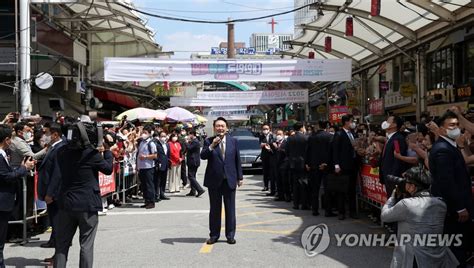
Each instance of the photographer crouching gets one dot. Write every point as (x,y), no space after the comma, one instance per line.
(417,213)
(78,164)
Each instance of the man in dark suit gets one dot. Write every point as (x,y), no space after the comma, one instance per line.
(46,191)
(193,161)
(451,182)
(223,174)
(78,166)
(318,160)
(389,165)
(282,166)
(162,165)
(9,179)
(344,161)
(296,151)
(268,159)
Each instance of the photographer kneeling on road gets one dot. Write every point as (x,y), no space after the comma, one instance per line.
(417,214)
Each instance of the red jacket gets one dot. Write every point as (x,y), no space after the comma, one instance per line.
(175,153)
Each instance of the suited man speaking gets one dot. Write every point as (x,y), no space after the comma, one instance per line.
(223,174)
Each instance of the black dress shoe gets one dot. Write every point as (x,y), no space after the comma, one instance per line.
(47,245)
(211,241)
(265,189)
(143,206)
(150,206)
(231,241)
(163,197)
(200,193)
(329,214)
(191,194)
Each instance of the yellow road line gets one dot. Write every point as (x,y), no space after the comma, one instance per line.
(205,249)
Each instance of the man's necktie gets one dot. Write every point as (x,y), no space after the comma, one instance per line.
(222,145)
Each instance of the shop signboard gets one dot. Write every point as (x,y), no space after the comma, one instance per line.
(407,89)
(392,100)
(336,113)
(376,107)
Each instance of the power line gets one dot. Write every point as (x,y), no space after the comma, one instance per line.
(208,21)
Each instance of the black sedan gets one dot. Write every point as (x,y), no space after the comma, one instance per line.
(249,152)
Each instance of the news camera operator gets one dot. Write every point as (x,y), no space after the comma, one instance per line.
(417,212)
(78,165)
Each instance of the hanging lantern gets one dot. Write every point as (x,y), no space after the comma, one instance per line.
(311,55)
(375,8)
(328,44)
(349,26)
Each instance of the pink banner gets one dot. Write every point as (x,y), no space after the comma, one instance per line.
(106,183)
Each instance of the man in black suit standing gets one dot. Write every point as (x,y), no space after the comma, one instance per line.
(223,175)
(193,160)
(318,160)
(389,165)
(344,161)
(162,164)
(78,165)
(283,190)
(9,178)
(296,151)
(451,182)
(46,191)
(268,159)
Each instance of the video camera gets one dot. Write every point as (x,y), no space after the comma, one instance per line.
(84,135)
(415,175)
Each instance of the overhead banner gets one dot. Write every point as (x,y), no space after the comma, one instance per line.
(234,98)
(151,69)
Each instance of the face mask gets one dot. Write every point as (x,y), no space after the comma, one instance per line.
(145,136)
(266,132)
(46,139)
(27,135)
(330,132)
(163,139)
(174,139)
(454,133)
(385,125)
(364,132)
(286,136)
(353,125)
(279,137)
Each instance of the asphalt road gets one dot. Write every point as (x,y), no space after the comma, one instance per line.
(174,234)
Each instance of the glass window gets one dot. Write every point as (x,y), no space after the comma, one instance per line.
(440,68)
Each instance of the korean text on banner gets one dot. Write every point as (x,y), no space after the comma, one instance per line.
(233,98)
(150,69)
(370,186)
(106,183)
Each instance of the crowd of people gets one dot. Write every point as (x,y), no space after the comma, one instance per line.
(61,160)
(439,153)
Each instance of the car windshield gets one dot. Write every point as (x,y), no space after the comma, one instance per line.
(252,144)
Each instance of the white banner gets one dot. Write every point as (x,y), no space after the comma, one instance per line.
(152,69)
(233,98)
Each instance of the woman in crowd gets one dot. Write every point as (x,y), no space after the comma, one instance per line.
(175,168)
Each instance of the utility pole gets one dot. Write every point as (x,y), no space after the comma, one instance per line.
(230,40)
(25,61)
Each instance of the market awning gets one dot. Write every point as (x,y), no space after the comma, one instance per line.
(400,23)
(118,98)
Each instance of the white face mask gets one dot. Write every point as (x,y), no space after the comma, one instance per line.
(454,133)
(279,137)
(163,139)
(353,125)
(265,132)
(330,132)
(145,136)
(46,139)
(385,125)
(174,139)
(27,136)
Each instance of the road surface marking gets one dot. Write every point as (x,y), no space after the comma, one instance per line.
(205,249)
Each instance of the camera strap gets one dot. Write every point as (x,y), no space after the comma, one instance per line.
(100,135)
(84,137)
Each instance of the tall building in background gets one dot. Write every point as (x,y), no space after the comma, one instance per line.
(303,16)
(263,42)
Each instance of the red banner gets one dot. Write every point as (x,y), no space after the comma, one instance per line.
(336,113)
(106,183)
(370,185)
